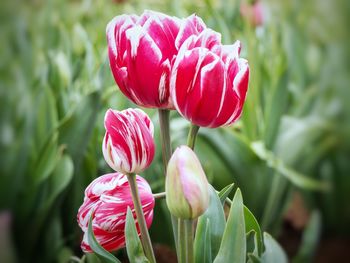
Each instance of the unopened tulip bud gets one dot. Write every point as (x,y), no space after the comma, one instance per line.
(186,185)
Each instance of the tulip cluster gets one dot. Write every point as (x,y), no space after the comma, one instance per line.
(160,61)
(167,63)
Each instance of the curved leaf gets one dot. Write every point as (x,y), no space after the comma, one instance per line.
(233,244)
(100,252)
(251,224)
(294,177)
(216,216)
(133,243)
(273,251)
(202,244)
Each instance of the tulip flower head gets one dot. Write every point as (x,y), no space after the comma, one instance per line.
(141,51)
(209,80)
(107,199)
(128,145)
(186,186)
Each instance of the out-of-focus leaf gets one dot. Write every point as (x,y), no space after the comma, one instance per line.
(216,216)
(223,194)
(294,177)
(76,130)
(48,158)
(233,243)
(100,252)
(276,108)
(310,239)
(60,178)
(273,251)
(133,243)
(202,244)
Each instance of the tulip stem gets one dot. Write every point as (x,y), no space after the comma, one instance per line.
(145,238)
(165,136)
(192,134)
(185,237)
(164,124)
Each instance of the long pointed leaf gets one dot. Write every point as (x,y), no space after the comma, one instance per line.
(216,216)
(100,252)
(133,243)
(233,244)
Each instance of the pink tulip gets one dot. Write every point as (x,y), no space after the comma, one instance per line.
(128,145)
(107,199)
(209,80)
(186,186)
(142,50)
(253,13)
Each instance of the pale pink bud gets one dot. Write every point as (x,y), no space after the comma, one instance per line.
(107,199)
(209,80)
(128,145)
(141,51)
(186,185)
(253,13)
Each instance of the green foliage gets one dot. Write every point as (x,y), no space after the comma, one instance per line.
(55,85)
(101,253)
(233,243)
(133,243)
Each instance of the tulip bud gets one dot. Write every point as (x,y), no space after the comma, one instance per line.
(141,51)
(108,198)
(128,145)
(186,185)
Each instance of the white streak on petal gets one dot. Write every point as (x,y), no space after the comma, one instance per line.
(134,35)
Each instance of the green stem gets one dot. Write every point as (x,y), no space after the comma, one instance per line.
(159,195)
(192,134)
(165,136)
(182,244)
(145,238)
(189,234)
(185,237)
(164,124)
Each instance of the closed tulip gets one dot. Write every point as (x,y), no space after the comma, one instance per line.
(209,80)
(141,51)
(186,185)
(107,199)
(128,145)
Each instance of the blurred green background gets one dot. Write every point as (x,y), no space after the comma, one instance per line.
(289,153)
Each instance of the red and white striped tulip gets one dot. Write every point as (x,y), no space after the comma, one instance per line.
(128,145)
(107,199)
(209,80)
(141,51)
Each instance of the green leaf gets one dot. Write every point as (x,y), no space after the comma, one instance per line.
(216,216)
(233,244)
(100,252)
(310,239)
(47,159)
(223,194)
(253,259)
(60,178)
(76,129)
(202,244)
(294,177)
(251,224)
(133,243)
(273,251)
